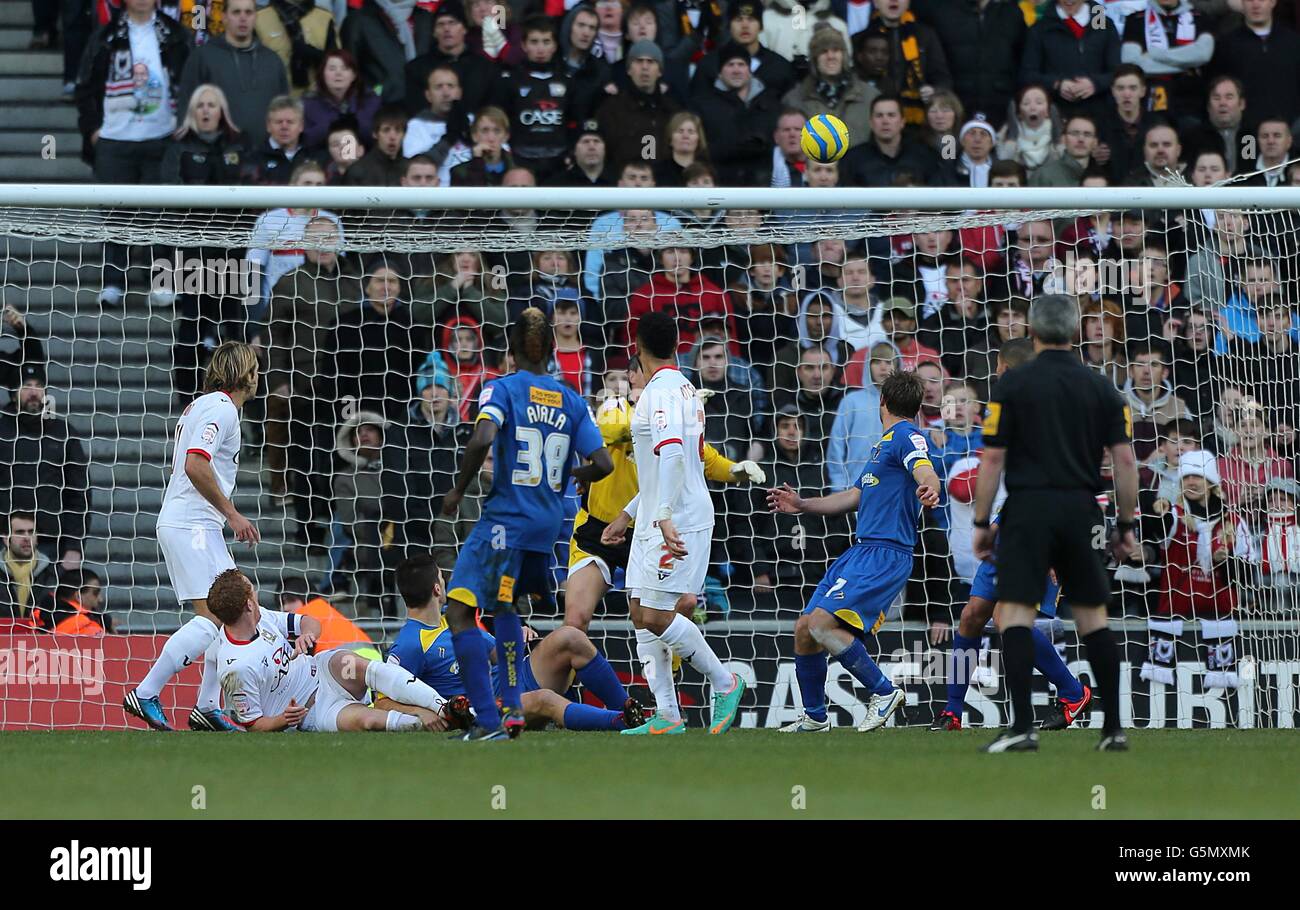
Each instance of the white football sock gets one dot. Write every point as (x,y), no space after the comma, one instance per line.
(686,639)
(210,683)
(399,721)
(186,645)
(401,686)
(657,667)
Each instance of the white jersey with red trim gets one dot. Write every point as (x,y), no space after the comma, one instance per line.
(261,676)
(668,413)
(208,427)
(962,475)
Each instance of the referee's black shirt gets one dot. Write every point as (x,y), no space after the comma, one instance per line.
(1055,417)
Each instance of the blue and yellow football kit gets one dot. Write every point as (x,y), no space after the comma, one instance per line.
(426,653)
(860,586)
(541,425)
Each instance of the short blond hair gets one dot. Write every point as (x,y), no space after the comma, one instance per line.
(231,367)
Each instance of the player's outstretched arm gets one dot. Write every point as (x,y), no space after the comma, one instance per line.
(600,467)
(722,469)
(787,499)
(480,443)
(199,471)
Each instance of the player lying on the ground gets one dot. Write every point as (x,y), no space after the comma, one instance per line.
(424,648)
(273,682)
(669,556)
(593,564)
(851,601)
(534,426)
(1072,696)
(195,508)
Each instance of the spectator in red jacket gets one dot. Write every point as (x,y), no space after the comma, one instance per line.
(685,294)
(1207,555)
(462,342)
(1251,462)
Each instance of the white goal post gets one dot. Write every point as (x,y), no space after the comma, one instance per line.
(789,299)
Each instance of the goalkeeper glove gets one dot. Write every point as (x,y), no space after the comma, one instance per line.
(750,470)
(704,395)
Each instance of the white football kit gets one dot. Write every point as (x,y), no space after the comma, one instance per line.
(189,527)
(260,677)
(667,414)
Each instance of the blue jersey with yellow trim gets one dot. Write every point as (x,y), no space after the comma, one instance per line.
(426,652)
(541,425)
(888,510)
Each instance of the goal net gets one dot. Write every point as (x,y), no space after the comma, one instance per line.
(380,314)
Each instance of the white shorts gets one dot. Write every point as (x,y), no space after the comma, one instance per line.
(194,557)
(331,698)
(657,579)
(598,563)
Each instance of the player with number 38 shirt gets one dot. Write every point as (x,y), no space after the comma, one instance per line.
(541,424)
(534,427)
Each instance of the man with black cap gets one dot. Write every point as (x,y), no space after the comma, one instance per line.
(739,115)
(586,165)
(477,73)
(43,469)
(1049,423)
(641,109)
(745,22)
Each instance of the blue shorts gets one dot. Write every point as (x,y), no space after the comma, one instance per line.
(487,575)
(527,681)
(860,587)
(985,586)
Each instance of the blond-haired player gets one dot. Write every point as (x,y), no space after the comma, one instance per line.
(195,510)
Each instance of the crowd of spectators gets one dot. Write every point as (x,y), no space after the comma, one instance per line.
(374,363)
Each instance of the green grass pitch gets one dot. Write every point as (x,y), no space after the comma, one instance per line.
(893,773)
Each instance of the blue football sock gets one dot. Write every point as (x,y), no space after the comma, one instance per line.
(1048,662)
(961,666)
(589,717)
(857,661)
(810,670)
(600,678)
(509,634)
(476,675)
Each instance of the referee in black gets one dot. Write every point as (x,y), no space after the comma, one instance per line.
(1048,425)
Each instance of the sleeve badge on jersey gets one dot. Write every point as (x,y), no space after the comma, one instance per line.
(991,417)
(209,434)
(919,441)
(486,396)
(661,419)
